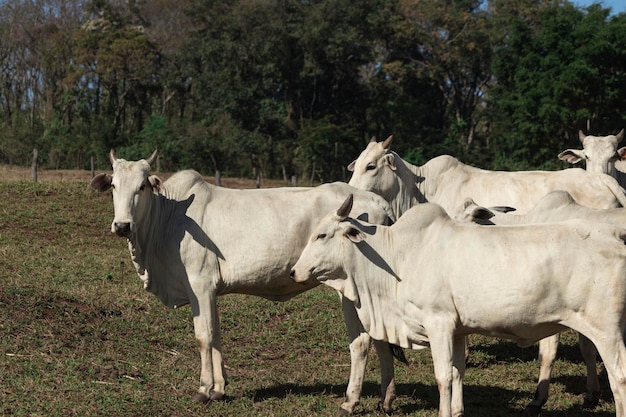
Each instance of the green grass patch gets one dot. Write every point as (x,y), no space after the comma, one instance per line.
(80,336)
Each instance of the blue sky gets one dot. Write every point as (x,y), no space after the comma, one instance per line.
(617,6)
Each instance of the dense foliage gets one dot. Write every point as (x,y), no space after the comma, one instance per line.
(283,88)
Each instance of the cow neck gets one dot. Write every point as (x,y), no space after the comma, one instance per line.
(409,182)
(158,209)
(378,288)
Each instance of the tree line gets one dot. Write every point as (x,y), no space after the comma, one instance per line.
(287,88)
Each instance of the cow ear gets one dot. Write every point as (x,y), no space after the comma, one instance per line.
(621,153)
(482,213)
(354,234)
(351,166)
(571,155)
(101,182)
(391,161)
(155,183)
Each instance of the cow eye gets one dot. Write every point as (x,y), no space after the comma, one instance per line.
(370,167)
(321,236)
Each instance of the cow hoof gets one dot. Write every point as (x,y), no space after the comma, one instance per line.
(201,398)
(346,409)
(532,411)
(344,412)
(593,403)
(216,396)
(385,409)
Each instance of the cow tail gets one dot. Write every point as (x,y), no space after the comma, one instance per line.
(398,353)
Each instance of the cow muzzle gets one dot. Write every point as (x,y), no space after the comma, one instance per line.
(298,278)
(122,229)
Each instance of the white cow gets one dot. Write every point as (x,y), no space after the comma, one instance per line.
(191,241)
(600,154)
(554,207)
(515,282)
(446,181)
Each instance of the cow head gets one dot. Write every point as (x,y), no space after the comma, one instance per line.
(374,169)
(132,184)
(599,152)
(323,256)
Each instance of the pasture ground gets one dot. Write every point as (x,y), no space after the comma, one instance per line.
(80,337)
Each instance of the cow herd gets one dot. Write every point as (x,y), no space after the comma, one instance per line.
(421,256)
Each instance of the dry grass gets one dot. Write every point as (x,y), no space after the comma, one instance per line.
(14,173)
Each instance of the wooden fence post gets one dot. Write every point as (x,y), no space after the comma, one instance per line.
(35,163)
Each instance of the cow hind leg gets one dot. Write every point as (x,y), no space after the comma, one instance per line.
(611,347)
(588,350)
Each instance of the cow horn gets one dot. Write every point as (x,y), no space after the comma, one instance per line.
(373,139)
(581,135)
(620,135)
(387,142)
(345,208)
(152,157)
(112,156)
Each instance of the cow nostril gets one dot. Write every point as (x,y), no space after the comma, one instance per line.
(292,274)
(122,229)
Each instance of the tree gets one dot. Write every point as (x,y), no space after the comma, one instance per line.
(551,81)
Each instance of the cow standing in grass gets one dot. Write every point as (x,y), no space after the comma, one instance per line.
(447,181)
(521,283)
(191,241)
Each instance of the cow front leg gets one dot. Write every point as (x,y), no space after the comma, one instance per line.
(359,348)
(387,376)
(212,374)
(547,355)
(459,352)
(442,351)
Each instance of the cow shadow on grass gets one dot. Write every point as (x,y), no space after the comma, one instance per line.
(412,398)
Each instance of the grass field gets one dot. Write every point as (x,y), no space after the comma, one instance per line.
(80,337)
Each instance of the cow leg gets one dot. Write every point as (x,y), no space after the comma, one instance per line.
(442,350)
(547,355)
(588,350)
(458,373)
(359,347)
(206,327)
(611,347)
(387,375)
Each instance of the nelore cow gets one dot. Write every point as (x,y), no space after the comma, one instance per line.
(405,294)
(191,241)
(447,181)
(600,153)
(556,206)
